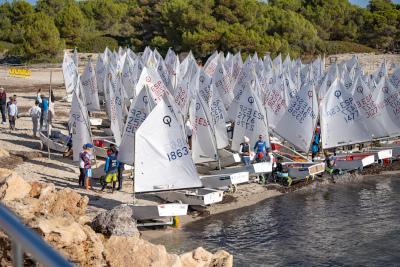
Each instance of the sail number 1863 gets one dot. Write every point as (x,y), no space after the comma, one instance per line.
(173,155)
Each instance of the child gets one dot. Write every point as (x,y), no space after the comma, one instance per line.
(111,169)
(85,166)
(35,113)
(12,113)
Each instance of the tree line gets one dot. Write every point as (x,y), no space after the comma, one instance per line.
(299,27)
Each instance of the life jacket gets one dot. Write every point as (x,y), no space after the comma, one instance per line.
(260,146)
(245,148)
(113,164)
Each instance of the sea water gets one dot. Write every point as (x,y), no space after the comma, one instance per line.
(355,224)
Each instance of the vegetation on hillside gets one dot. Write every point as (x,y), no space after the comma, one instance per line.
(298,27)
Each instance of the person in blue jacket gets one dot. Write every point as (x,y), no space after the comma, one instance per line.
(44,106)
(261,149)
(111,169)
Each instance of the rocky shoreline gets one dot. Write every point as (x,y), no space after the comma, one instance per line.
(59,217)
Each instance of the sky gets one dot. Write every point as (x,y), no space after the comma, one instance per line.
(364,3)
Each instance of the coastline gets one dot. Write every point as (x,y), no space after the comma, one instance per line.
(262,193)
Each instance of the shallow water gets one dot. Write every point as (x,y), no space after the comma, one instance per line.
(340,225)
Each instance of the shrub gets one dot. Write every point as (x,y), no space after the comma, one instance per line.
(97,44)
(339,47)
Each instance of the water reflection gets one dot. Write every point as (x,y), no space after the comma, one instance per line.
(342,225)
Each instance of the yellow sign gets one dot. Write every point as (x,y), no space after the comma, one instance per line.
(19,73)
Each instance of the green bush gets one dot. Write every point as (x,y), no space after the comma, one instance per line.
(339,47)
(97,44)
(5,46)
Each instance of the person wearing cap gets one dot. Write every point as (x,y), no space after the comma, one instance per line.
(244,151)
(3,105)
(261,149)
(111,169)
(85,166)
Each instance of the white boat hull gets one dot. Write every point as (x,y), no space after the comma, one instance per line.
(224,180)
(153,212)
(256,168)
(52,144)
(353,161)
(196,197)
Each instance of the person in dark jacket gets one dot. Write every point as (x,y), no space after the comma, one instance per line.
(3,105)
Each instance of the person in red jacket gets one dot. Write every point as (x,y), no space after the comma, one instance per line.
(3,105)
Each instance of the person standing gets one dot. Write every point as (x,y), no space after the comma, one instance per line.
(44,106)
(38,96)
(35,114)
(111,169)
(244,151)
(12,113)
(261,149)
(86,162)
(3,105)
(315,143)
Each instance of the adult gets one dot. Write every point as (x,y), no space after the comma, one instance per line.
(35,114)
(261,149)
(244,151)
(44,107)
(3,105)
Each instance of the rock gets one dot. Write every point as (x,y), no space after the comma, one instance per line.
(12,186)
(36,187)
(222,259)
(201,258)
(132,251)
(5,250)
(78,243)
(61,231)
(197,257)
(59,203)
(4,153)
(27,208)
(118,221)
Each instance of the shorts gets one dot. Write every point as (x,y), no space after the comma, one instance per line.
(111,177)
(88,172)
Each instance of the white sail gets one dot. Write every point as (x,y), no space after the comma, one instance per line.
(89,87)
(114,103)
(150,78)
(298,124)
(70,72)
(250,120)
(222,83)
(218,119)
(79,125)
(395,79)
(128,77)
(100,72)
(138,112)
(341,121)
(160,140)
(368,108)
(211,64)
(388,102)
(203,139)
